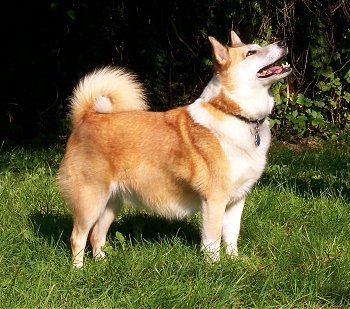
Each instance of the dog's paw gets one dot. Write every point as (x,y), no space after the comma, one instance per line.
(211,256)
(232,251)
(100,256)
(78,264)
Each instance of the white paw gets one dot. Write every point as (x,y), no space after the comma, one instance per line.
(100,256)
(232,251)
(78,264)
(212,252)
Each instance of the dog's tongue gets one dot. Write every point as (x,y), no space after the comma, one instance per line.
(270,71)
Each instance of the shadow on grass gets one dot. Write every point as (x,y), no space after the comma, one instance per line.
(134,227)
(138,226)
(309,187)
(53,227)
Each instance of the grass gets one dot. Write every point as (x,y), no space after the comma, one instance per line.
(294,243)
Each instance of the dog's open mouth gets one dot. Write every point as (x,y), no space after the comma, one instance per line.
(273,70)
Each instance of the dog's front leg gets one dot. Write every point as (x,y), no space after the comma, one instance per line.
(231,226)
(212,216)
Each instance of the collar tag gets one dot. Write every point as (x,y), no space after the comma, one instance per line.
(257,122)
(257,133)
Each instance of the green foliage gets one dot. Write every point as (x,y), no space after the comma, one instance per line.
(321,105)
(169,50)
(111,249)
(299,116)
(331,87)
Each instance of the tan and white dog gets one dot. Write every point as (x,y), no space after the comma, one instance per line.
(205,156)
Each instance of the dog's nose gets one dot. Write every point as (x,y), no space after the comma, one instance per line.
(282,43)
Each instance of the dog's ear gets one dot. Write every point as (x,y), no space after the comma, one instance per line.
(235,40)
(219,51)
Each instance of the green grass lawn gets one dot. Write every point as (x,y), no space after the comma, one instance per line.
(294,242)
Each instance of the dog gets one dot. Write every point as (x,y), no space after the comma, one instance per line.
(204,157)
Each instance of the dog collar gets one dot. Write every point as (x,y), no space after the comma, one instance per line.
(257,123)
(223,108)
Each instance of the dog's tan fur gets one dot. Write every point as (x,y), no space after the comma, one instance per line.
(171,162)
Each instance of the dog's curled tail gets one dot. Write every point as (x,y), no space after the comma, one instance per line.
(106,90)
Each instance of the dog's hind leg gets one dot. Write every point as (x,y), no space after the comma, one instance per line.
(101,227)
(231,227)
(89,203)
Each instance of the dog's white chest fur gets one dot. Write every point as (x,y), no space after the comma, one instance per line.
(237,139)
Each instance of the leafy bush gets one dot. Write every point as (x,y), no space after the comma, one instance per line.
(165,43)
(317,99)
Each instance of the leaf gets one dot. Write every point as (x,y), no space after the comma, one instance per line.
(327,72)
(273,122)
(71,14)
(278,99)
(346,96)
(319,103)
(119,236)
(208,62)
(300,99)
(347,76)
(323,86)
(54,4)
(109,249)
(333,103)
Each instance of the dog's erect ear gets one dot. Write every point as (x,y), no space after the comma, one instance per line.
(220,52)
(235,40)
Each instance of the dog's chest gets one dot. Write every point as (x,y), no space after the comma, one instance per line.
(246,159)
(245,167)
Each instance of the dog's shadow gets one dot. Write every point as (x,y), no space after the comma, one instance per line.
(53,227)
(134,227)
(139,226)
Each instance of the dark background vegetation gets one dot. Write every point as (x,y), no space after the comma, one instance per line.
(48,45)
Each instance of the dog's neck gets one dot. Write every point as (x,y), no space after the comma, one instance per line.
(248,104)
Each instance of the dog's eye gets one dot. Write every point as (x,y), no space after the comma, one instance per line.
(250,52)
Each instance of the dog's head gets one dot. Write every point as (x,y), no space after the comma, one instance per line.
(240,65)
